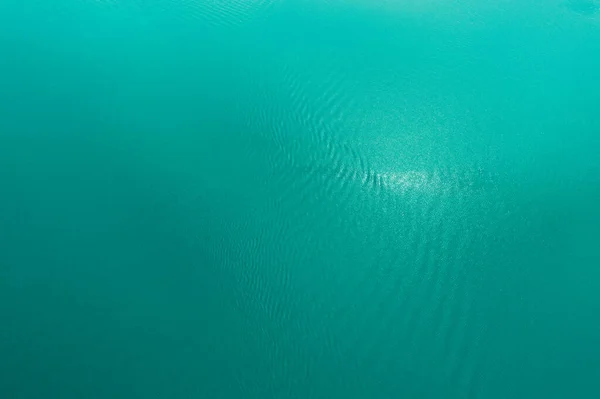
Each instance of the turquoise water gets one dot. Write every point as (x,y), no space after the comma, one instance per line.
(299,199)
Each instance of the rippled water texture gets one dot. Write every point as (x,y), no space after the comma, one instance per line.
(299,199)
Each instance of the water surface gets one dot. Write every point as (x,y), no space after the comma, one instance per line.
(299,199)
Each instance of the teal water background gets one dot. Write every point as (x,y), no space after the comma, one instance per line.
(299,199)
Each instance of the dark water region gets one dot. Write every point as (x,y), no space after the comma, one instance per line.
(299,199)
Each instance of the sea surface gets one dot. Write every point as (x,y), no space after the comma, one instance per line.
(299,199)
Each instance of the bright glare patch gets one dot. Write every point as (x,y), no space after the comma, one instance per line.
(414,180)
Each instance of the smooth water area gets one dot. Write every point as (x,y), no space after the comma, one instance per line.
(299,199)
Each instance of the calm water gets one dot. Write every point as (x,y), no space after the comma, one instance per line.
(299,199)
